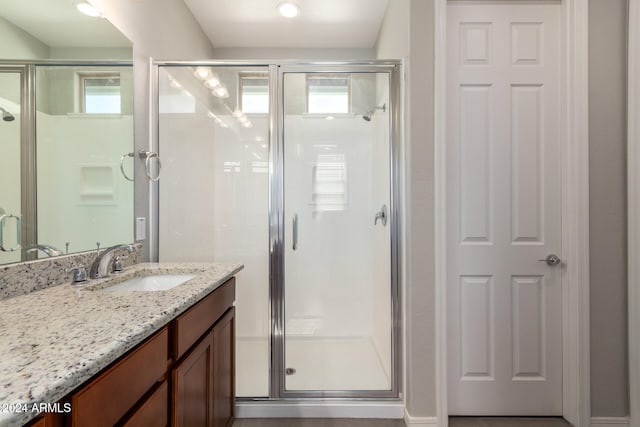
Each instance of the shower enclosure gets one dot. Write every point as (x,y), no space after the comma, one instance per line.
(290,169)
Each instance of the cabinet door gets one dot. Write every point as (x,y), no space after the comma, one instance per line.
(154,411)
(224,370)
(192,387)
(47,420)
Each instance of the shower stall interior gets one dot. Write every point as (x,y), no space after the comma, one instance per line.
(290,169)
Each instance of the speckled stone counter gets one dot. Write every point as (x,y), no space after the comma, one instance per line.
(55,339)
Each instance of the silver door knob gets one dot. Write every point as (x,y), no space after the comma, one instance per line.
(551,260)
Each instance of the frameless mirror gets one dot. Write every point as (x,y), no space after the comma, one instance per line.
(66,102)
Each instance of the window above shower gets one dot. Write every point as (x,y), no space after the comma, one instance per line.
(99,93)
(328,93)
(254,92)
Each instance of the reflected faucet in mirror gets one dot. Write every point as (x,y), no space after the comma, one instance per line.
(100,266)
(47,249)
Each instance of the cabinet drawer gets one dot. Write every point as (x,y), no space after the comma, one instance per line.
(192,324)
(108,398)
(154,412)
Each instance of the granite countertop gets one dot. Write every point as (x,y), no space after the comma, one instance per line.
(55,339)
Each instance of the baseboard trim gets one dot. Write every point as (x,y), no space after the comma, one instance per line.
(609,421)
(344,409)
(419,421)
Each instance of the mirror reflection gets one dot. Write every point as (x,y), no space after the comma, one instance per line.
(66,103)
(84,124)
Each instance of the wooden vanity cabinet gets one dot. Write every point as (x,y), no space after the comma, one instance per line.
(203,382)
(108,398)
(184,375)
(224,396)
(48,420)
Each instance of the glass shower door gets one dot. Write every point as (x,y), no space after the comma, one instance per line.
(214,192)
(337,233)
(10,187)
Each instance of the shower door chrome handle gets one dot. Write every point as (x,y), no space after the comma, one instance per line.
(295,232)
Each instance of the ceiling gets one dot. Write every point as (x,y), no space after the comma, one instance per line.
(57,24)
(321,23)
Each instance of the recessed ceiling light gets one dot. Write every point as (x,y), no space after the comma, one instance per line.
(247,124)
(202,73)
(87,9)
(213,82)
(221,92)
(288,9)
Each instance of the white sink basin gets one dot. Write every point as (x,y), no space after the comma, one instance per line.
(152,283)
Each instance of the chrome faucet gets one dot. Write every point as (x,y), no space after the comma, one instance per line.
(100,265)
(47,249)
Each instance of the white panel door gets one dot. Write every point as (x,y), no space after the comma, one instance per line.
(504,209)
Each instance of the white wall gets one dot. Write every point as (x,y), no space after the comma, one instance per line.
(407,33)
(18,44)
(162,29)
(393,38)
(293,53)
(90,53)
(608,222)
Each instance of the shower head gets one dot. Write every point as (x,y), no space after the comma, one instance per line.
(7,116)
(369,114)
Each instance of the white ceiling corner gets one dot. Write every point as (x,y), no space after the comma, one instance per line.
(58,24)
(321,24)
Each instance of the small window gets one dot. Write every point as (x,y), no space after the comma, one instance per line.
(254,93)
(100,93)
(328,93)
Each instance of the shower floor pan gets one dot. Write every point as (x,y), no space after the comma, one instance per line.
(319,363)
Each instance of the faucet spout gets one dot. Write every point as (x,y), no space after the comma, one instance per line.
(47,249)
(100,265)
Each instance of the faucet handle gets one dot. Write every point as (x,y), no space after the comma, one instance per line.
(117,263)
(79,273)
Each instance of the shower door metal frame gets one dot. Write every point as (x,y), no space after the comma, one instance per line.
(277,229)
(277,69)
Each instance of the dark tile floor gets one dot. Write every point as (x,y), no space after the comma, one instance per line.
(507,422)
(316,422)
(453,422)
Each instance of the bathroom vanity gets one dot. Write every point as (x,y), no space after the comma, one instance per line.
(102,357)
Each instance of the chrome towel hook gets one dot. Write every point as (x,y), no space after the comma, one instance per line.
(3,219)
(147,156)
(124,156)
